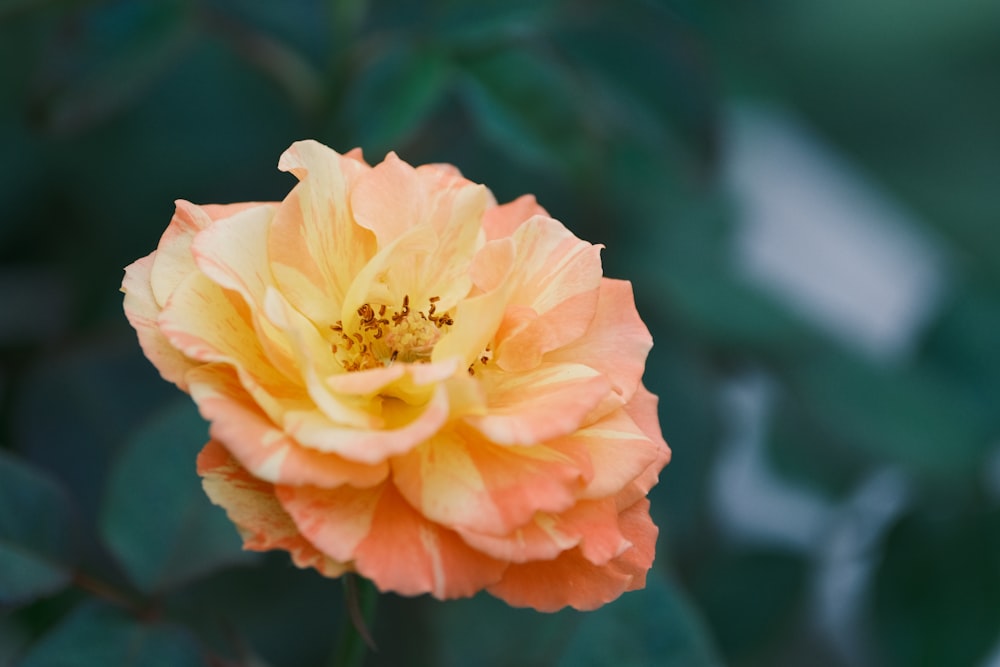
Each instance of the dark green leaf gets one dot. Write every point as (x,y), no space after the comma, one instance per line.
(75,409)
(156,518)
(913,417)
(654,626)
(937,589)
(394,95)
(465,632)
(35,534)
(526,103)
(255,611)
(96,635)
(751,598)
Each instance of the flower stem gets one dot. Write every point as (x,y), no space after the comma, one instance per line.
(360,597)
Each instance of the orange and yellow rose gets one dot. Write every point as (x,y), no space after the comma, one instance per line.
(406,380)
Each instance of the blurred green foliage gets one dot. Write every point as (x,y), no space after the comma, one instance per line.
(615,115)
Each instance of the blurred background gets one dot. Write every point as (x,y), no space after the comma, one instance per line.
(806,197)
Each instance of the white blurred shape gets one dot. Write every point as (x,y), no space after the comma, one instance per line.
(821,238)
(751,502)
(848,558)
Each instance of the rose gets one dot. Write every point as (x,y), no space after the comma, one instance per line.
(407,380)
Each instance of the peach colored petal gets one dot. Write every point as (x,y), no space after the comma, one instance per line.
(593,525)
(405,553)
(407,427)
(618,450)
(174,260)
(460,480)
(226,337)
(233,253)
(142,312)
(314,360)
(388,199)
(558,277)
(251,505)
(315,247)
(390,543)
(537,405)
(336,520)
(501,221)
(616,342)
(265,450)
(571,580)
(643,411)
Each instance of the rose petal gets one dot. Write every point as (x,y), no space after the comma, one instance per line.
(616,342)
(571,580)
(268,452)
(537,405)
(557,276)
(251,505)
(593,525)
(227,337)
(460,480)
(316,248)
(391,544)
(142,312)
(406,427)
(501,221)
(619,452)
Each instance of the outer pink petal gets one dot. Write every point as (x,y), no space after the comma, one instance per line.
(591,525)
(501,221)
(389,199)
(572,580)
(391,543)
(142,312)
(316,248)
(642,410)
(537,405)
(269,453)
(251,504)
(233,253)
(460,480)
(227,336)
(618,450)
(174,261)
(557,276)
(616,342)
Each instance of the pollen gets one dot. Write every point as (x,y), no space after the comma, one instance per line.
(380,334)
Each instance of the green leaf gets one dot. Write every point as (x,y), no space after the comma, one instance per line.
(395,94)
(99,393)
(654,626)
(96,635)
(911,416)
(480,631)
(937,589)
(36,550)
(649,72)
(255,611)
(156,519)
(750,598)
(528,105)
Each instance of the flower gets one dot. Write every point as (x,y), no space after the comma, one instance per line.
(406,380)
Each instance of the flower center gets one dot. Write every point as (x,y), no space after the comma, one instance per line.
(379,338)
